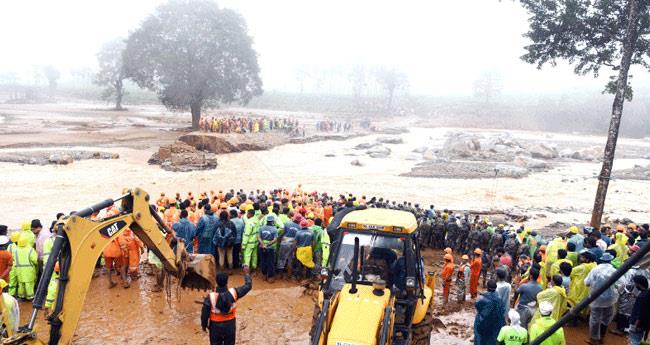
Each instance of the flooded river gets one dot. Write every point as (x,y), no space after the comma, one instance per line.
(42,191)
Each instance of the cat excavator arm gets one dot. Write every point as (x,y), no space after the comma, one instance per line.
(78,245)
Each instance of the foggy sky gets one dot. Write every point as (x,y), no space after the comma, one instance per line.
(442,45)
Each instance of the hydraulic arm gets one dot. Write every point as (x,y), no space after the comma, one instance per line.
(78,245)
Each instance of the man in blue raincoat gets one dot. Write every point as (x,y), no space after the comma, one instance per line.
(205,231)
(489,319)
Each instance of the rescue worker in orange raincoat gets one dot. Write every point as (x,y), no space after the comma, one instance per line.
(447,274)
(475,272)
(220,309)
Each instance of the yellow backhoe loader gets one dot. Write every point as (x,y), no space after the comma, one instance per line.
(375,290)
(78,245)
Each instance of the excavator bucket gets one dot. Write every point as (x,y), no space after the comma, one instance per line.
(200,273)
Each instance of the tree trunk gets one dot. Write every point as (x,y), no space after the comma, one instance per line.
(617,112)
(196,114)
(119,90)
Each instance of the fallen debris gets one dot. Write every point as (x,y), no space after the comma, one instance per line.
(58,157)
(181,157)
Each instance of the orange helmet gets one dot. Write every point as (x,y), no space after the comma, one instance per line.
(620,228)
(448,250)
(478,251)
(465,257)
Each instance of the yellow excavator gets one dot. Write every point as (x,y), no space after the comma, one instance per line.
(375,290)
(78,245)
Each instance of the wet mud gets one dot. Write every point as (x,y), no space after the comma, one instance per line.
(277,314)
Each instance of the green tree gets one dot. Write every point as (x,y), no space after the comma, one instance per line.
(194,54)
(111,71)
(591,35)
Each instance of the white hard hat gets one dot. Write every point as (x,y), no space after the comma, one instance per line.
(514,317)
(545,308)
(4,240)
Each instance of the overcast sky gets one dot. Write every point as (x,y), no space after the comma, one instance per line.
(442,45)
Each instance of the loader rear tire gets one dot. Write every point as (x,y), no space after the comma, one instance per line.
(421,333)
(314,320)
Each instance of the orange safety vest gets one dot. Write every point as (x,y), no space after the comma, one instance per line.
(217,315)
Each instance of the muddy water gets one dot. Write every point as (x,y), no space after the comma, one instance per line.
(42,191)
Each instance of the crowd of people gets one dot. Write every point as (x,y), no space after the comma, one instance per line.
(333,126)
(249,124)
(541,280)
(529,280)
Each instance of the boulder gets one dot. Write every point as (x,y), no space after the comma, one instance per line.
(588,154)
(330,155)
(421,149)
(542,151)
(365,146)
(379,152)
(180,156)
(530,163)
(430,155)
(413,157)
(503,170)
(462,145)
(390,140)
(356,163)
(60,159)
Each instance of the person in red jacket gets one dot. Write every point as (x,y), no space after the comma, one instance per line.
(447,274)
(475,272)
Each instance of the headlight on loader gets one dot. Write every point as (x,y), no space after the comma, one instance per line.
(410,282)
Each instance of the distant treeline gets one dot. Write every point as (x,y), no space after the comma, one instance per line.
(587,111)
(584,112)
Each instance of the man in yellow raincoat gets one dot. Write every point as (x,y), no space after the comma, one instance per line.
(10,310)
(620,247)
(577,289)
(551,254)
(52,289)
(26,266)
(249,242)
(556,295)
(304,251)
(561,257)
(13,249)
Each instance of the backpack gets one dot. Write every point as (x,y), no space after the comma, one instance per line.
(225,231)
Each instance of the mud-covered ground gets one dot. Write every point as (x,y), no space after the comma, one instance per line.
(274,314)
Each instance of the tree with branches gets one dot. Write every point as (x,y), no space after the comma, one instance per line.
(111,71)
(194,54)
(591,35)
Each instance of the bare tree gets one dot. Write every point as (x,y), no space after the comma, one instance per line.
(52,74)
(488,86)
(357,78)
(391,79)
(111,71)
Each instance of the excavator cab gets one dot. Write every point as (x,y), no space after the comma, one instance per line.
(375,290)
(78,244)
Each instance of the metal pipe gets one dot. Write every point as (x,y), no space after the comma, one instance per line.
(48,269)
(86,212)
(355,262)
(573,313)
